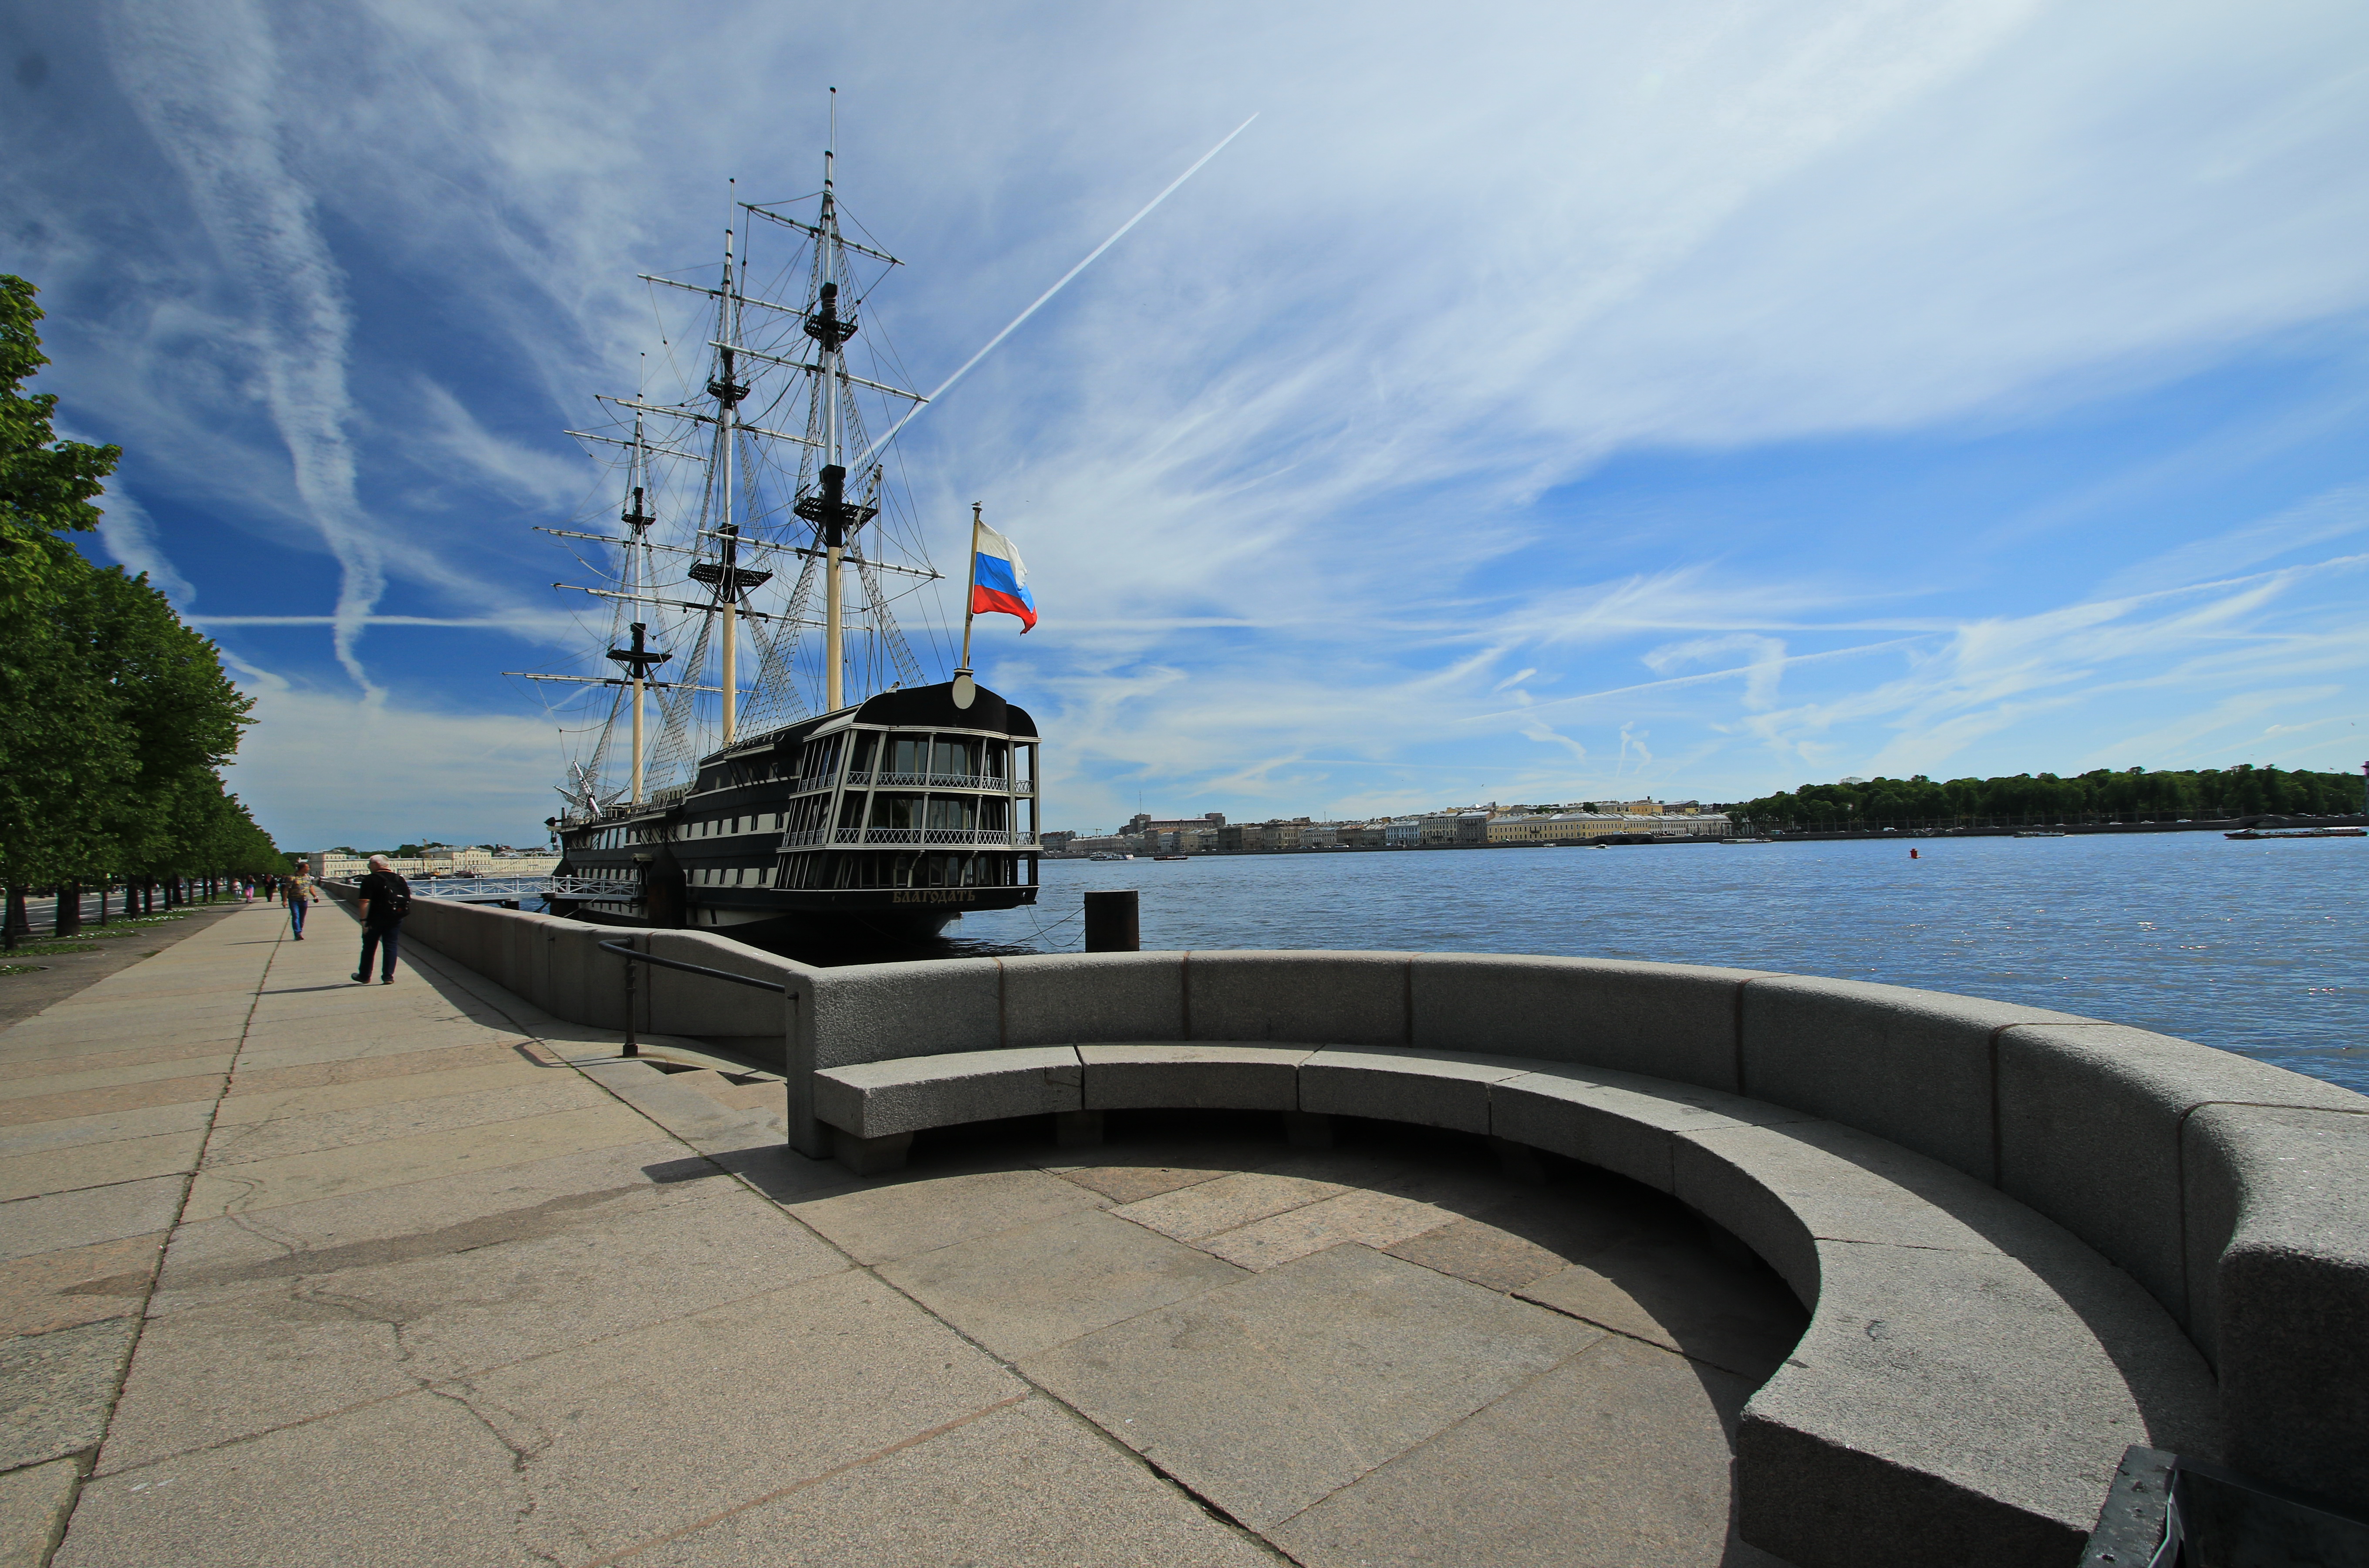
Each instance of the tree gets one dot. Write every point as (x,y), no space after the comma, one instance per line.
(114,717)
(2132,794)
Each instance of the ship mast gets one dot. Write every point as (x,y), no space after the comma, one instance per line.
(724,574)
(637,660)
(834,473)
(728,393)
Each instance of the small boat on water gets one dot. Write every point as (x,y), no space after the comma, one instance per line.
(2038,833)
(1172,857)
(2252,833)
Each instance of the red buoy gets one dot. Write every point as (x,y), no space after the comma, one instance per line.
(1912,854)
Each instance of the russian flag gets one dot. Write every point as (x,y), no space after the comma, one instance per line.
(998,582)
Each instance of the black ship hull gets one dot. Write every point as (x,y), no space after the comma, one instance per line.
(890,819)
(895,913)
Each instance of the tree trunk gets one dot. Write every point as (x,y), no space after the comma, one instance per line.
(102,900)
(68,922)
(12,918)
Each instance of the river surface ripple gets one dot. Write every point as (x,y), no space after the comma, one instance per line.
(2254,948)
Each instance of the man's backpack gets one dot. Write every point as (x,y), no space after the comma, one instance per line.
(394,902)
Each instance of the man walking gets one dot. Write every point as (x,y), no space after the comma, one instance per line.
(386,899)
(298,891)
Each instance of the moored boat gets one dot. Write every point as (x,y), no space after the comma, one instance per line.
(839,787)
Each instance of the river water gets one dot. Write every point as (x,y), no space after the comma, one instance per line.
(2256,947)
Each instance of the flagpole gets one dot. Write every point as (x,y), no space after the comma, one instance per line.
(970,592)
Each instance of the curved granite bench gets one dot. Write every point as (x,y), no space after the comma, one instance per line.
(2026,1240)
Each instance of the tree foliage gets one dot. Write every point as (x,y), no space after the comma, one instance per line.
(114,717)
(2130,795)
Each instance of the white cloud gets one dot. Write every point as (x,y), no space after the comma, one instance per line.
(207,83)
(320,769)
(131,537)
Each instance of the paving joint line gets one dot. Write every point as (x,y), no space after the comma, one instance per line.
(87,1459)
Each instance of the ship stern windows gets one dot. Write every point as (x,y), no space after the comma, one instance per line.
(905,759)
(953,760)
(896,817)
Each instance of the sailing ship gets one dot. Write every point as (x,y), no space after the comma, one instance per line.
(839,788)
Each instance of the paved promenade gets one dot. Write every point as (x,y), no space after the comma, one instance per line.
(294,1271)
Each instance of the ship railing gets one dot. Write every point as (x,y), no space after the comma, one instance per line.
(997,837)
(880,779)
(595,888)
(803,840)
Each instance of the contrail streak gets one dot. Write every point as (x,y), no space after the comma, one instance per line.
(1047,294)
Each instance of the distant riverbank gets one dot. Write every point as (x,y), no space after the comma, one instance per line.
(1809,835)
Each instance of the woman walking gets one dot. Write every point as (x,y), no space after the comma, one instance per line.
(299,892)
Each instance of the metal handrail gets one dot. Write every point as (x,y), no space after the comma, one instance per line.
(634,955)
(1006,837)
(884,778)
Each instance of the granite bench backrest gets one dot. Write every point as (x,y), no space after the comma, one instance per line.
(2235,1193)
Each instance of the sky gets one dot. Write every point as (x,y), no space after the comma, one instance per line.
(1583,401)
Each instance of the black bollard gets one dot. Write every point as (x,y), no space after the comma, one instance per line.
(1111,924)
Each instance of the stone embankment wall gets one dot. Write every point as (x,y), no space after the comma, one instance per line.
(2235,1192)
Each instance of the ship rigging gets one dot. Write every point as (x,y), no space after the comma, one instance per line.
(831,781)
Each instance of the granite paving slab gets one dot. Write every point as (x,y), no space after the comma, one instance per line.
(1131,1184)
(418,1482)
(33,1505)
(233,1352)
(1229,1202)
(55,1390)
(1269,1395)
(58,1220)
(108,1127)
(1617,1459)
(1672,1291)
(269,1138)
(655,1431)
(899,1219)
(98,1164)
(1029,1288)
(80,1075)
(436,1214)
(1378,1219)
(398,1161)
(1023,1485)
(104,1100)
(76,1285)
(255,1082)
(1480,1252)
(26,1062)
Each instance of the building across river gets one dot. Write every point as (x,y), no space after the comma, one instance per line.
(1474,826)
(438,862)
